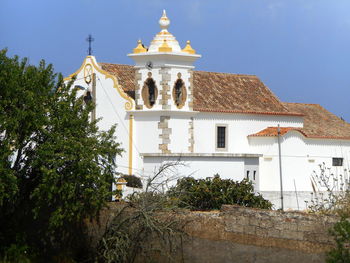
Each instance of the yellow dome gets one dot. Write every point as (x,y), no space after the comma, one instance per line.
(140,48)
(188,49)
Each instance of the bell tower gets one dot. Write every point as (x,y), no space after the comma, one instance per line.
(164,72)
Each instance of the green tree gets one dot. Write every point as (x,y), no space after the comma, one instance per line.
(206,194)
(56,167)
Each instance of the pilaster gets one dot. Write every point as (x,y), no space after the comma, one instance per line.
(191,136)
(165,132)
(165,95)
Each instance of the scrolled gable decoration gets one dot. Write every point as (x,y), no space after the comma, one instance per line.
(149,92)
(179,93)
(88,70)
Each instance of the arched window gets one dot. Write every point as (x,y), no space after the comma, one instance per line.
(149,93)
(179,93)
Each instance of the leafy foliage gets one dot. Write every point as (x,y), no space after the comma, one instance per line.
(56,167)
(132,181)
(341,234)
(206,194)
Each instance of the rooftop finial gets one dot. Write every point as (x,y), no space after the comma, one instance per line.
(188,49)
(164,22)
(90,39)
(139,48)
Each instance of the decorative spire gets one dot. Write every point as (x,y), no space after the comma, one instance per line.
(188,49)
(139,48)
(164,22)
(165,47)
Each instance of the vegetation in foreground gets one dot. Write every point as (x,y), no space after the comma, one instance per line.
(332,196)
(56,167)
(212,193)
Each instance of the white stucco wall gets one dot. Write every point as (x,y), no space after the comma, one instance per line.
(300,157)
(199,167)
(239,126)
(179,139)
(110,107)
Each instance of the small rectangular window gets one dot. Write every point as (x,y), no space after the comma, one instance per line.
(221,137)
(337,161)
(221,131)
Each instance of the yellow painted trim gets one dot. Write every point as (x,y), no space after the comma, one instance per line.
(164,47)
(129,104)
(188,48)
(131,124)
(88,73)
(139,48)
(77,72)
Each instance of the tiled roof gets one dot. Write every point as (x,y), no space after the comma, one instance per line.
(125,75)
(318,123)
(216,92)
(223,92)
(273,131)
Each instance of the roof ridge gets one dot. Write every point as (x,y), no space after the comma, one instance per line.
(287,113)
(228,73)
(314,104)
(204,71)
(117,64)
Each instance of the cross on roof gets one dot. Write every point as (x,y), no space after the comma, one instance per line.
(90,39)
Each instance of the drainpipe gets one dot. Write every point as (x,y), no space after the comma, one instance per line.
(280,163)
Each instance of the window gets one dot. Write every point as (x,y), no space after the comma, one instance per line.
(221,137)
(149,93)
(337,161)
(179,93)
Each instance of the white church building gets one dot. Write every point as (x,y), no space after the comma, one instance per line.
(216,123)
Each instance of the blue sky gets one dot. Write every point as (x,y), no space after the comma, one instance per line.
(299,48)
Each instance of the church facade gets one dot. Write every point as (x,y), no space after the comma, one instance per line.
(216,123)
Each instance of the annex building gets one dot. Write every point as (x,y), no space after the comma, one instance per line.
(217,123)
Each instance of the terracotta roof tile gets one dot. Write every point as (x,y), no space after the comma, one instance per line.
(125,75)
(273,131)
(216,92)
(232,92)
(235,93)
(318,123)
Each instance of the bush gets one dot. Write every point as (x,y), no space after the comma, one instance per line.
(206,194)
(341,234)
(16,253)
(132,181)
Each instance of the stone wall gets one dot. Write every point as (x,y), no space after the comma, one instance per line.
(239,234)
